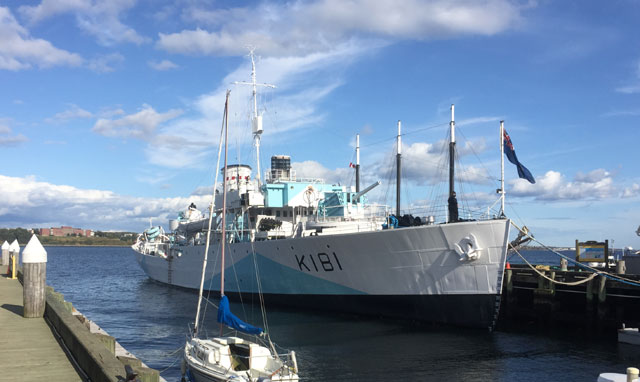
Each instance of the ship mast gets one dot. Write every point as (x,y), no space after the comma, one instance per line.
(357,163)
(453,204)
(398,170)
(256,120)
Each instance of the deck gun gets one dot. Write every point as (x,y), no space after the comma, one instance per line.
(357,196)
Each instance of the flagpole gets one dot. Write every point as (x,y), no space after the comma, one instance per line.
(501,168)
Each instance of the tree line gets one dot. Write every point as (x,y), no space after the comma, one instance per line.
(24,235)
(11,234)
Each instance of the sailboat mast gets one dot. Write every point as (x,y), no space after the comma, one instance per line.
(211,211)
(223,233)
(398,170)
(452,151)
(357,163)
(502,168)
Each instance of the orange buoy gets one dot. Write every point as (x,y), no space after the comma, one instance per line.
(508,266)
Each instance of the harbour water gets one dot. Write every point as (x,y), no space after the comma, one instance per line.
(151,320)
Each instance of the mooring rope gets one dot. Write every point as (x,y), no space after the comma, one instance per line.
(595,271)
(591,277)
(170,366)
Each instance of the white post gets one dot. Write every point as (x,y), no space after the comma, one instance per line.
(14,252)
(5,253)
(502,168)
(34,264)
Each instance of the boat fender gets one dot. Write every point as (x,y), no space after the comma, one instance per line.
(216,355)
(468,248)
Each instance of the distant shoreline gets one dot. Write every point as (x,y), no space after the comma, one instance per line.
(85,245)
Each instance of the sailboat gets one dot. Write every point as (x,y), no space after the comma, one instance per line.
(232,358)
(322,245)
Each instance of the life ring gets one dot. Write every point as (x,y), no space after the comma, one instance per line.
(468,248)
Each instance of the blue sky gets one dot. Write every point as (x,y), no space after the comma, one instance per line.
(110,111)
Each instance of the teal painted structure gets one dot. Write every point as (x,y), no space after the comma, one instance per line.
(279,195)
(281,280)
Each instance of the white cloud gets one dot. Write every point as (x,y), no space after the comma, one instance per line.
(162,65)
(631,191)
(595,185)
(427,163)
(476,120)
(7,138)
(189,140)
(26,202)
(18,50)
(313,169)
(105,63)
(141,125)
(299,28)
(73,112)
(98,18)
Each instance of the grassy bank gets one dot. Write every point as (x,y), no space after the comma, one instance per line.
(79,241)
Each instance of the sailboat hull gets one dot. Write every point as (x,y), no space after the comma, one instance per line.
(425,273)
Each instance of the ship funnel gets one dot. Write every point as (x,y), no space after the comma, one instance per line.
(237,176)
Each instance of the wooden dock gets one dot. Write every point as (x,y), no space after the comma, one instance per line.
(596,302)
(29,350)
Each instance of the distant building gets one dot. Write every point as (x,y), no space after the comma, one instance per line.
(65,231)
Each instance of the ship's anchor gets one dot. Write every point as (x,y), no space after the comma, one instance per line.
(468,248)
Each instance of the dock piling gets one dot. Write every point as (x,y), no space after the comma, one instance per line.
(14,259)
(5,254)
(14,250)
(34,265)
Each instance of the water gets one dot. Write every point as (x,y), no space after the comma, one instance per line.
(151,320)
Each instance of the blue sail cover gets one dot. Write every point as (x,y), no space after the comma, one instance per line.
(226,317)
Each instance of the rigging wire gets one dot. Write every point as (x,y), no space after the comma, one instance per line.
(403,134)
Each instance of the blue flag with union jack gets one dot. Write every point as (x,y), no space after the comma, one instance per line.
(523,172)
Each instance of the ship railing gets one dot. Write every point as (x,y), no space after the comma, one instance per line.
(373,212)
(279,175)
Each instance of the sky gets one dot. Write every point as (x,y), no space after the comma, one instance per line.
(110,112)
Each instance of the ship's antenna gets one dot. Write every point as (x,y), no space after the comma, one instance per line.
(256,121)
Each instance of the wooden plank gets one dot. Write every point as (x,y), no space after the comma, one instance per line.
(28,348)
